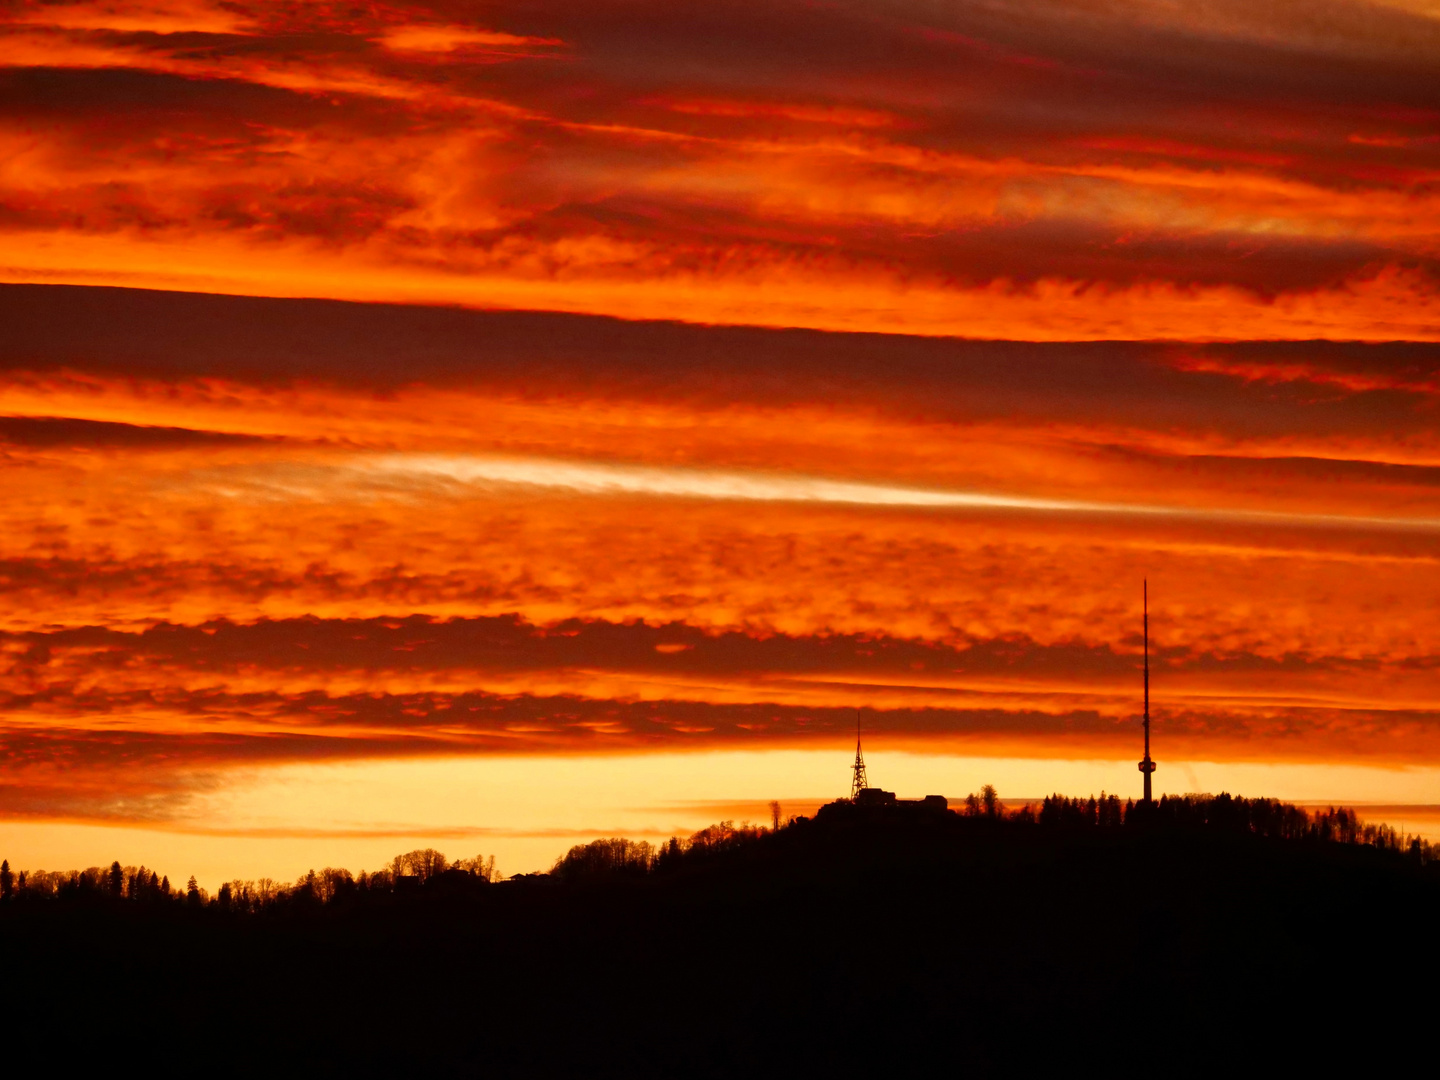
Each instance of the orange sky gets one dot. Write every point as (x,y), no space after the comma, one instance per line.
(974,316)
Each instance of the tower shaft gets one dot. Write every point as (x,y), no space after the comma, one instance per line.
(1147,766)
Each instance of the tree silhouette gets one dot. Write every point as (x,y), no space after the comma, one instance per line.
(423,864)
(604,857)
(426,871)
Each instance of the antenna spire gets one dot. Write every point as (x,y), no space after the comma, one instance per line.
(1147,767)
(859,784)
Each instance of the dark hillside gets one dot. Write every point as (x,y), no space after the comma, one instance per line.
(940,944)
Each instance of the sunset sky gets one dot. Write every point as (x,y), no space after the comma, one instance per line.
(492,426)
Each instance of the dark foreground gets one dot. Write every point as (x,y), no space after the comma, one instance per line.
(898,948)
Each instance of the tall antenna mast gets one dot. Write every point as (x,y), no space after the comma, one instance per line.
(1147,767)
(859,784)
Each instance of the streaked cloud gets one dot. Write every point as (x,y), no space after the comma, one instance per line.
(595,479)
(1126,172)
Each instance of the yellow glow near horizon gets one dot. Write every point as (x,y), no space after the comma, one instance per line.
(280,822)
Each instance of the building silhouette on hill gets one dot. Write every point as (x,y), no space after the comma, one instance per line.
(865,797)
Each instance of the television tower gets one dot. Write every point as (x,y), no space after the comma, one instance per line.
(1147,767)
(859,784)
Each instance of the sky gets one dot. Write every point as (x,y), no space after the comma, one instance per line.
(492,426)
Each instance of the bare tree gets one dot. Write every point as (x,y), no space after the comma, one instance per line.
(423,863)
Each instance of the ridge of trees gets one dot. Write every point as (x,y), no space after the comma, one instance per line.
(412,870)
(427,871)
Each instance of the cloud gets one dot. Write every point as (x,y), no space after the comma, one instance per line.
(586,684)
(1245,390)
(447,39)
(601,480)
(153,16)
(129,104)
(1064,172)
(509,644)
(139,544)
(57,431)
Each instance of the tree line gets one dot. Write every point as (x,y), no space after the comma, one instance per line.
(1231,813)
(427,871)
(420,869)
(604,858)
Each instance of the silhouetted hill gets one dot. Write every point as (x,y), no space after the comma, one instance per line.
(892,943)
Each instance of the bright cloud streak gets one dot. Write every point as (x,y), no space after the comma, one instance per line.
(599,479)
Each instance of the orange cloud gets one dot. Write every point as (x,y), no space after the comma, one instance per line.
(573,178)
